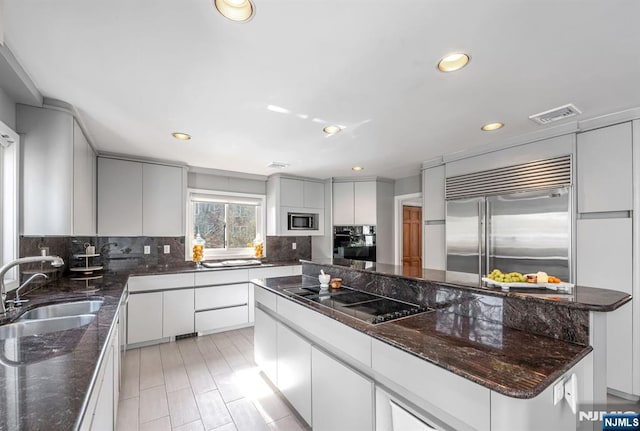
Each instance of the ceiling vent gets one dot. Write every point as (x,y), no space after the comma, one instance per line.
(555,114)
(277,165)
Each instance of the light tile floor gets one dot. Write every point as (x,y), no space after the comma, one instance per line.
(203,383)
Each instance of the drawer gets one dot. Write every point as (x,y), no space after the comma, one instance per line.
(264,297)
(223,318)
(222,277)
(221,296)
(273,271)
(159,282)
(457,396)
(336,335)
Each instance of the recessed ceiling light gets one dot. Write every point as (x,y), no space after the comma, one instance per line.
(235,10)
(331,130)
(453,62)
(181,136)
(492,126)
(357,168)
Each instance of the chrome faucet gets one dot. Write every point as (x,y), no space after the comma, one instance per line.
(17,301)
(56,261)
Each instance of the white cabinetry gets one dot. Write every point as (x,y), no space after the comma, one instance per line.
(433,190)
(290,195)
(101,409)
(343,204)
(294,370)
(177,312)
(137,198)
(605,258)
(355,203)
(265,344)
(364,203)
(145,317)
(333,383)
(604,167)
(58,174)
(119,197)
(160,306)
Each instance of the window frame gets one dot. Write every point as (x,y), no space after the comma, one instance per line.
(9,202)
(227,197)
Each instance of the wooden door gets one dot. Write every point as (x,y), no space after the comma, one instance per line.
(412,238)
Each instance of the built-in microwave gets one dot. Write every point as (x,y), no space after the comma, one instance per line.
(302,221)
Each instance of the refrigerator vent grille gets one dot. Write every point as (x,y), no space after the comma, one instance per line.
(542,174)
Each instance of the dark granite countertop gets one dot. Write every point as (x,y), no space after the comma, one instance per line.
(49,388)
(47,379)
(512,362)
(581,297)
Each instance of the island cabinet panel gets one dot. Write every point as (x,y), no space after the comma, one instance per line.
(216,320)
(265,298)
(265,345)
(456,396)
(144,317)
(294,370)
(604,167)
(159,282)
(342,399)
(221,296)
(211,278)
(333,333)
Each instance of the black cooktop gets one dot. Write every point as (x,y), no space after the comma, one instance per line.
(361,305)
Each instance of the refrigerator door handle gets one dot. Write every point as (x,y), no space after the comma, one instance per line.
(481,221)
(487,235)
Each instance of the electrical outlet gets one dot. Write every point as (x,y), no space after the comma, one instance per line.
(147,249)
(44,251)
(558,392)
(167,249)
(293,246)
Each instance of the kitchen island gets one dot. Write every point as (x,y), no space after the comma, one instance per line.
(472,361)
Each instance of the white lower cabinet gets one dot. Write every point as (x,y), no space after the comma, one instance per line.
(265,345)
(334,385)
(101,411)
(145,317)
(214,320)
(294,370)
(177,312)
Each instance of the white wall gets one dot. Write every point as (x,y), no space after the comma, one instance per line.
(408,185)
(7,110)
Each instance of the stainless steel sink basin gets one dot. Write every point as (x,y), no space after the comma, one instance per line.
(26,328)
(62,310)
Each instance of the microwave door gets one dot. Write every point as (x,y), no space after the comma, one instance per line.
(465,239)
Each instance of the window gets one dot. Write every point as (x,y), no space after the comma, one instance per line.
(228,222)
(9,151)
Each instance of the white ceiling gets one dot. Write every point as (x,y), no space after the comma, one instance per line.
(138,70)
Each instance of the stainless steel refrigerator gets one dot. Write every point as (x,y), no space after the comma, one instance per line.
(526,232)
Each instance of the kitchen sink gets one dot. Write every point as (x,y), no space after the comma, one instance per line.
(64,309)
(27,328)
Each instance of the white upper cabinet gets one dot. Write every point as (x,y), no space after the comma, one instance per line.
(604,167)
(433,190)
(163,205)
(119,197)
(364,203)
(294,195)
(355,203)
(137,198)
(58,174)
(291,192)
(313,194)
(343,208)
